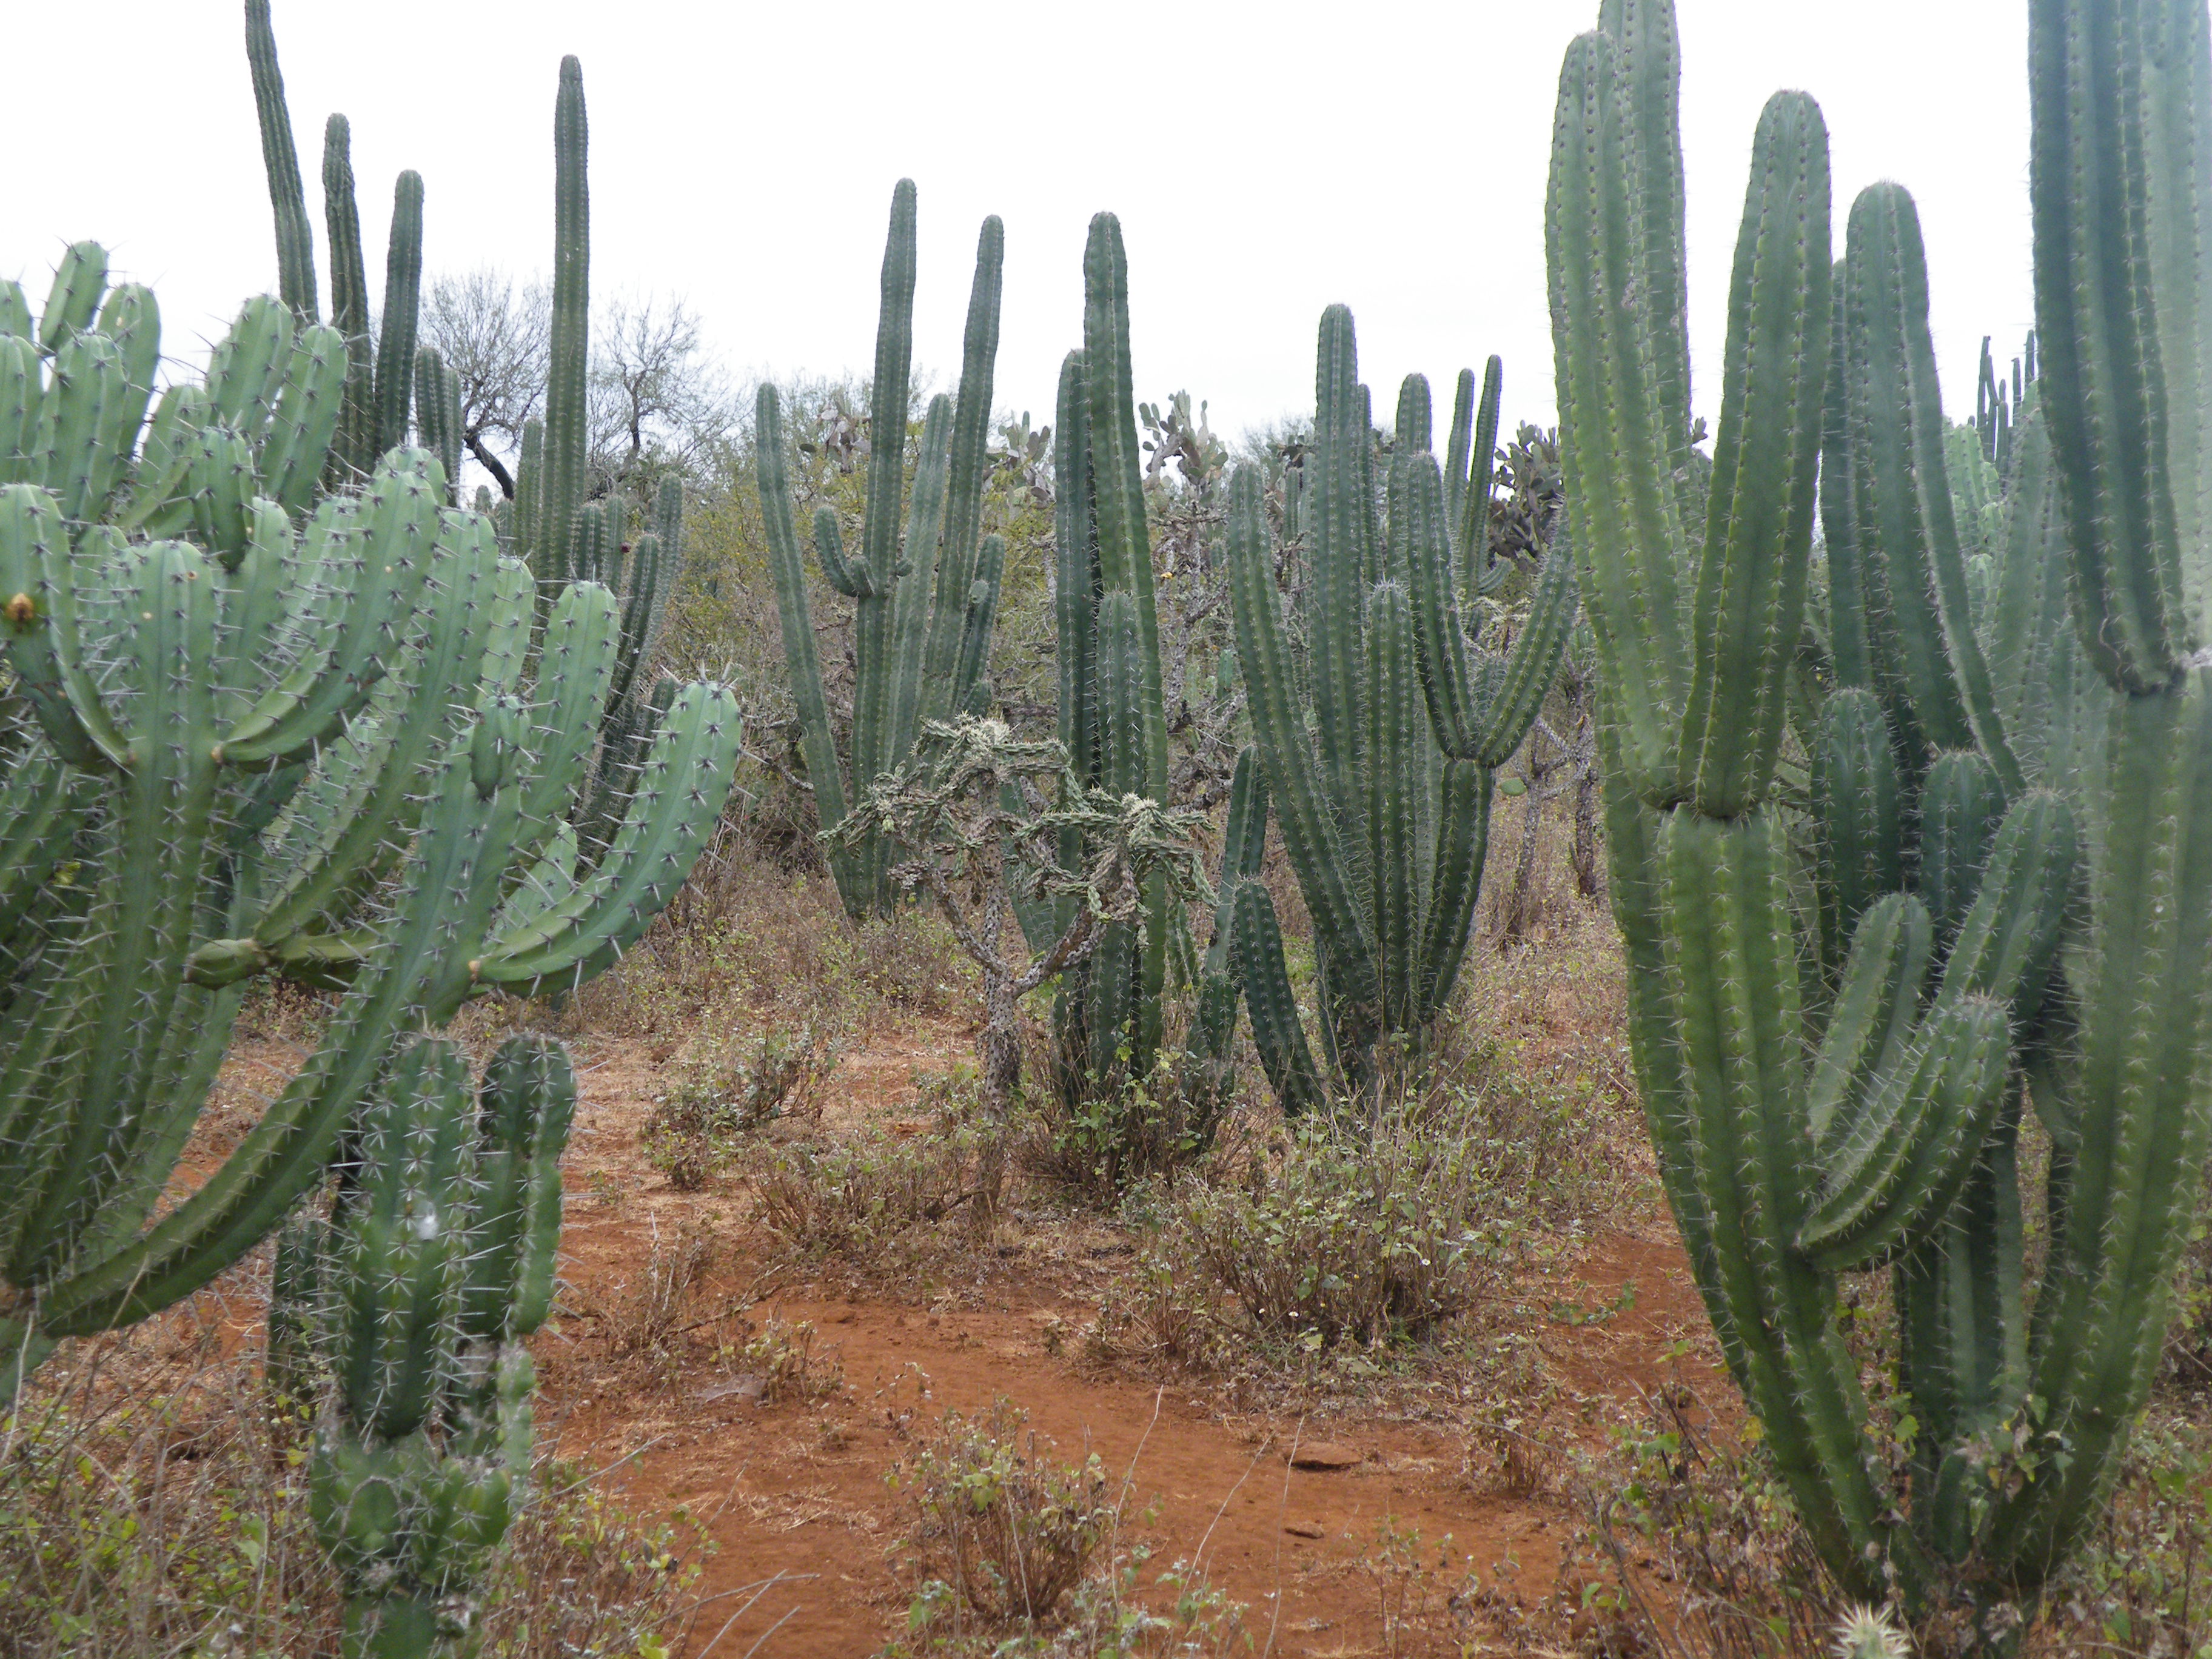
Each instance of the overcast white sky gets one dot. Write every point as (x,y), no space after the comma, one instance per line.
(1266,161)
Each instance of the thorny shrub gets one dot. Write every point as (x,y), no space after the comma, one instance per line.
(1002,1532)
(730,1088)
(1336,1239)
(866,1198)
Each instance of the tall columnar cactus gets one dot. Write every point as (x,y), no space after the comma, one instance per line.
(265,735)
(924,603)
(1385,794)
(1112,714)
(1855,1102)
(380,377)
(435,1261)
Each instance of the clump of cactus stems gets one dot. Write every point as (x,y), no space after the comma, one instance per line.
(236,726)
(1854,1102)
(1110,1013)
(981,820)
(435,1259)
(924,589)
(1383,779)
(549,525)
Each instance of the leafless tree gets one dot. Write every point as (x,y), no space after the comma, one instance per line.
(495,336)
(657,398)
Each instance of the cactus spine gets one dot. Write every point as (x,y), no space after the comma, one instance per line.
(1385,808)
(1948,782)
(924,603)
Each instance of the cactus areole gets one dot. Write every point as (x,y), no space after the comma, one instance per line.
(1841,1024)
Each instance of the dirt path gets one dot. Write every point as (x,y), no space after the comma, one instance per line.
(795,1491)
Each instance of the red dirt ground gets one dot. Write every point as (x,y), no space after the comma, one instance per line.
(795,1492)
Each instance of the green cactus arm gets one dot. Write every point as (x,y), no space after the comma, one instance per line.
(1340,515)
(306,419)
(247,365)
(576,668)
(1857,814)
(525,1103)
(80,281)
(911,621)
(679,797)
(15,312)
(76,456)
(1616,379)
(1732,971)
(2093,166)
(1962,1341)
(161,812)
(1531,665)
(944,691)
(1876,1011)
(528,504)
(40,616)
(968,671)
(1905,1157)
(132,317)
(873,718)
(1452,693)
(562,491)
(824,771)
(1960,804)
(1393,747)
(437,414)
(396,531)
(1648,59)
(1276,1031)
(443,904)
(288,198)
(2177,102)
(1075,571)
(1914,579)
(43,804)
(1310,833)
(449,652)
(22,393)
(253,608)
(403,292)
(354,452)
(396,1225)
(1462,842)
(1748,609)
(1117,493)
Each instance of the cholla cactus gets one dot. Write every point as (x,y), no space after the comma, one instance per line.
(980,823)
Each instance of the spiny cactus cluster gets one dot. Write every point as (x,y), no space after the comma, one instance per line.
(244,751)
(414,1292)
(924,603)
(1855,1102)
(1384,793)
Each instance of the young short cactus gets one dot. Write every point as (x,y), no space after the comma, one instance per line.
(1855,1101)
(1384,796)
(924,604)
(436,1259)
